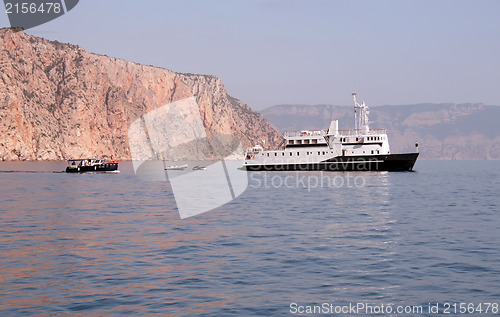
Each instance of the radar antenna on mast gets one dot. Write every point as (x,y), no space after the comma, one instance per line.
(361,122)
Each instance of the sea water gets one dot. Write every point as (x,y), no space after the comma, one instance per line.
(107,244)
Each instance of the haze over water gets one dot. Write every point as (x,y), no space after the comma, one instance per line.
(112,244)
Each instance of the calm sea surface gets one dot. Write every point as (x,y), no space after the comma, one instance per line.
(113,244)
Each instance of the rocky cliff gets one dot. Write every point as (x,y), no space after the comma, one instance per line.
(57,101)
(444,131)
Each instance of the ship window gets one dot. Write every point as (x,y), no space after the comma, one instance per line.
(275,154)
(283,154)
(267,154)
(298,153)
(372,151)
(290,141)
(323,152)
(357,139)
(319,153)
(290,153)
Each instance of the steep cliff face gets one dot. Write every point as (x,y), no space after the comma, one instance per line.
(57,101)
(444,131)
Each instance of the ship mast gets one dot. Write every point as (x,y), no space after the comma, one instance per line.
(361,112)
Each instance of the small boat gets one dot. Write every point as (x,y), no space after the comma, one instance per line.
(199,168)
(91,165)
(176,167)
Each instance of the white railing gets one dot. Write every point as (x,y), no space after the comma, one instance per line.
(354,132)
(351,132)
(289,134)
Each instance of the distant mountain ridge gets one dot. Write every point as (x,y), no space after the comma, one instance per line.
(57,101)
(444,131)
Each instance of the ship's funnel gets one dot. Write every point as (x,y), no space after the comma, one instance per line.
(334,128)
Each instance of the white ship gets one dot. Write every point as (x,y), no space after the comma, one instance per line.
(360,149)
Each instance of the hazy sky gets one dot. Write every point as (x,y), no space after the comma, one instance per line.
(270,52)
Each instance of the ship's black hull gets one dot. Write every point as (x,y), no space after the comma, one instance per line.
(389,162)
(107,167)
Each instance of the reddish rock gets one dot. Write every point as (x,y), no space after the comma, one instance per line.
(57,101)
